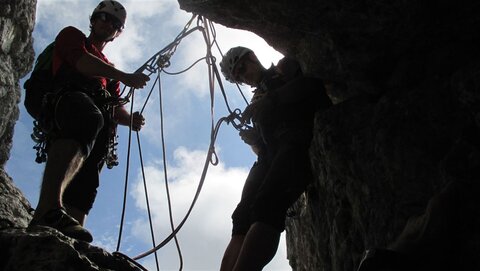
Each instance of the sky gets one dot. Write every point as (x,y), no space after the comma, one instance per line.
(152,25)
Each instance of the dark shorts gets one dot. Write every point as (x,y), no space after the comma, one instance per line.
(274,183)
(78,117)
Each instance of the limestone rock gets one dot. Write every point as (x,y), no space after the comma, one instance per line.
(14,207)
(16,55)
(43,248)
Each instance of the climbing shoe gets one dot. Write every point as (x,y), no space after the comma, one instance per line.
(60,220)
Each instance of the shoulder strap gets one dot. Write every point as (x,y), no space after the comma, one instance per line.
(45,58)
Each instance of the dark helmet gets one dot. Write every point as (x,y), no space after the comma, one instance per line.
(113,8)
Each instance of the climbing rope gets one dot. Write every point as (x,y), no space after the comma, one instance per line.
(155,65)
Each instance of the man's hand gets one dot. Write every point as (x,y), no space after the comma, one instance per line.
(137,121)
(250,136)
(135,80)
(248,113)
(260,110)
(122,117)
(93,66)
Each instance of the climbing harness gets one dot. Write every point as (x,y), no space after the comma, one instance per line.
(44,128)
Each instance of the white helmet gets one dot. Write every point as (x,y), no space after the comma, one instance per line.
(113,8)
(231,59)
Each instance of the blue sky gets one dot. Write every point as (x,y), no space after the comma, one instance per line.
(151,25)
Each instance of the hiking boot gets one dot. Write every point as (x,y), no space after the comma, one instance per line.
(64,223)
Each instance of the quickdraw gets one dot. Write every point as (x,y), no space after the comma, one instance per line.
(40,137)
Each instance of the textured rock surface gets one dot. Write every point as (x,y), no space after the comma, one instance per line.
(46,249)
(14,207)
(404,77)
(16,55)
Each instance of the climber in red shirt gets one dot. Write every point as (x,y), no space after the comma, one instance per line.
(282,112)
(81,120)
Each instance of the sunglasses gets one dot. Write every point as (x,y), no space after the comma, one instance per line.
(105,17)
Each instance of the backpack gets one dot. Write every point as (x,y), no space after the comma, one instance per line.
(40,82)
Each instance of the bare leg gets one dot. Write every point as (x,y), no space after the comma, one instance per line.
(64,161)
(231,253)
(259,247)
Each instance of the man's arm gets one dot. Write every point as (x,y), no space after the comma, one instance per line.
(92,66)
(298,90)
(122,117)
(70,48)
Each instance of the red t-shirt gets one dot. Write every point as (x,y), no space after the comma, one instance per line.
(70,45)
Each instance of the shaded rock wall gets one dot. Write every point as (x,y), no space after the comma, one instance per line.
(16,57)
(401,143)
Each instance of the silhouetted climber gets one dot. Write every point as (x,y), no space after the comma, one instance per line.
(82,122)
(282,112)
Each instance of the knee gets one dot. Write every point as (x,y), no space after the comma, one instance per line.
(241,221)
(93,122)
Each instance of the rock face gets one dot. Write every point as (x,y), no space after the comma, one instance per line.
(401,143)
(16,55)
(46,249)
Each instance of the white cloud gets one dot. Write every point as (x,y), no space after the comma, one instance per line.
(207,232)
(148,8)
(107,240)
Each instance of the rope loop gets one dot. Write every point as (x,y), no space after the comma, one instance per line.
(214,156)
